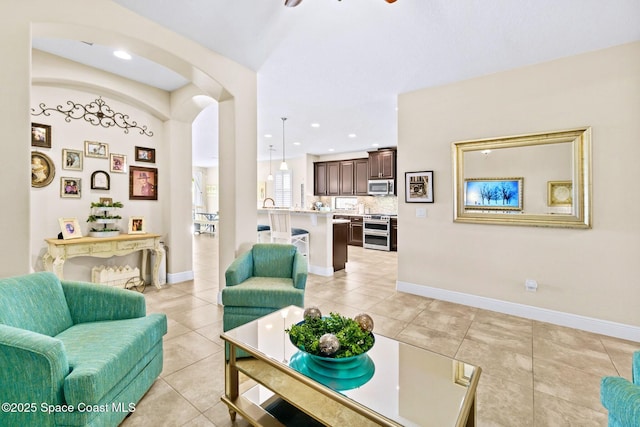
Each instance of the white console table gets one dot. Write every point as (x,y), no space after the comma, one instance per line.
(104,247)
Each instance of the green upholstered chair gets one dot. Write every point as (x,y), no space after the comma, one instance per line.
(622,398)
(70,346)
(265,279)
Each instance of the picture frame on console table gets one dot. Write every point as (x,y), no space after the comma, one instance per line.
(70,228)
(418,187)
(137,225)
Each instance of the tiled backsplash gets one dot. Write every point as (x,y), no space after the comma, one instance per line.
(377,204)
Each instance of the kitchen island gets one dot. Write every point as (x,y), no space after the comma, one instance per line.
(320,227)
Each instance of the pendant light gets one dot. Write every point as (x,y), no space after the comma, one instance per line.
(270,177)
(283,165)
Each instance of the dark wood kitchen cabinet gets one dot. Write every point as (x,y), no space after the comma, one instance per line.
(355,237)
(333,178)
(347,187)
(355,231)
(326,179)
(320,179)
(340,251)
(341,178)
(361,177)
(382,164)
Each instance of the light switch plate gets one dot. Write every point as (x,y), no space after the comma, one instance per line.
(421,212)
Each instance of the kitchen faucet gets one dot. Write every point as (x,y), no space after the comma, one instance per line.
(264,202)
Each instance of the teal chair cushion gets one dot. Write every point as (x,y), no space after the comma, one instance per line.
(271,292)
(35,292)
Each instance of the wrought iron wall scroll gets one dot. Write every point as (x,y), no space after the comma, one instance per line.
(97,113)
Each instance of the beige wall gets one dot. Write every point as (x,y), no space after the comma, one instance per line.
(592,273)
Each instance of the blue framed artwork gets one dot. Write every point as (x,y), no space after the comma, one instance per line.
(493,194)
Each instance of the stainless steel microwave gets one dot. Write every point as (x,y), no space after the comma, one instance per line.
(381,187)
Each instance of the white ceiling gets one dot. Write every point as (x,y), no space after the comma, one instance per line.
(343,63)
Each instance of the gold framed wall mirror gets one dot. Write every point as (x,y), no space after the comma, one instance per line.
(533,180)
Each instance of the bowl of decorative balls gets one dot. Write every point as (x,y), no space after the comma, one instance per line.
(333,346)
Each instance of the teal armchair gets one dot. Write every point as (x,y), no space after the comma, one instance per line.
(77,354)
(265,279)
(622,398)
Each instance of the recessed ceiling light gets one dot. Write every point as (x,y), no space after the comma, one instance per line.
(375,145)
(122,54)
(352,135)
(267,135)
(331,149)
(296,143)
(315,125)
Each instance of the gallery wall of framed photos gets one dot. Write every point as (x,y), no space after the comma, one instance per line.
(74,163)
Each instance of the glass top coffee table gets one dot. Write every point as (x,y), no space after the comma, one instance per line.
(398,384)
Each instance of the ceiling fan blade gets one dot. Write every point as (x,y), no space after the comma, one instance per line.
(292,3)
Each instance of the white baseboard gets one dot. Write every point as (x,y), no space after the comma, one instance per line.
(598,326)
(321,271)
(179,277)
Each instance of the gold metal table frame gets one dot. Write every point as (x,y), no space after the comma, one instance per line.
(413,387)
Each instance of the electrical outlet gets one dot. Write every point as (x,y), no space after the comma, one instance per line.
(531,285)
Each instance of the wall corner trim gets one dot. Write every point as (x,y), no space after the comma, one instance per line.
(598,326)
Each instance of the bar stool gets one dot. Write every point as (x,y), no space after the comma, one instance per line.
(264,232)
(282,232)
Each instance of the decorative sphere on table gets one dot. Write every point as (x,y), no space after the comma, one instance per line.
(312,312)
(365,321)
(328,344)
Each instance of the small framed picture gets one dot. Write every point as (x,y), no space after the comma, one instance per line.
(144,154)
(99,150)
(106,201)
(70,228)
(100,180)
(42,169)
(70,188)
(71,159)
(419,187)
(560,193)
(143,183)
(137,225)
(40,135)
(118,163)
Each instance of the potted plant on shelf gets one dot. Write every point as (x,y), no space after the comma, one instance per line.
(103,215)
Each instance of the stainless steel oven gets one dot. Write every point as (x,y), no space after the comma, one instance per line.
(377,232)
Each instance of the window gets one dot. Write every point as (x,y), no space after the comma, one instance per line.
(283,189)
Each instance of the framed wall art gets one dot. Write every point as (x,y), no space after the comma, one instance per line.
(560,193)
(70,228)
(118,163)
(99,150)
(143,183)
(418,187)
(106,201)
(144,154)
(71,159)
(71,188)
(137,225)
(100,180)
(40,135)
(42,169)
(498,194)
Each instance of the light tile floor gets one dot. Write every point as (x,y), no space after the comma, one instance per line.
(534,373)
